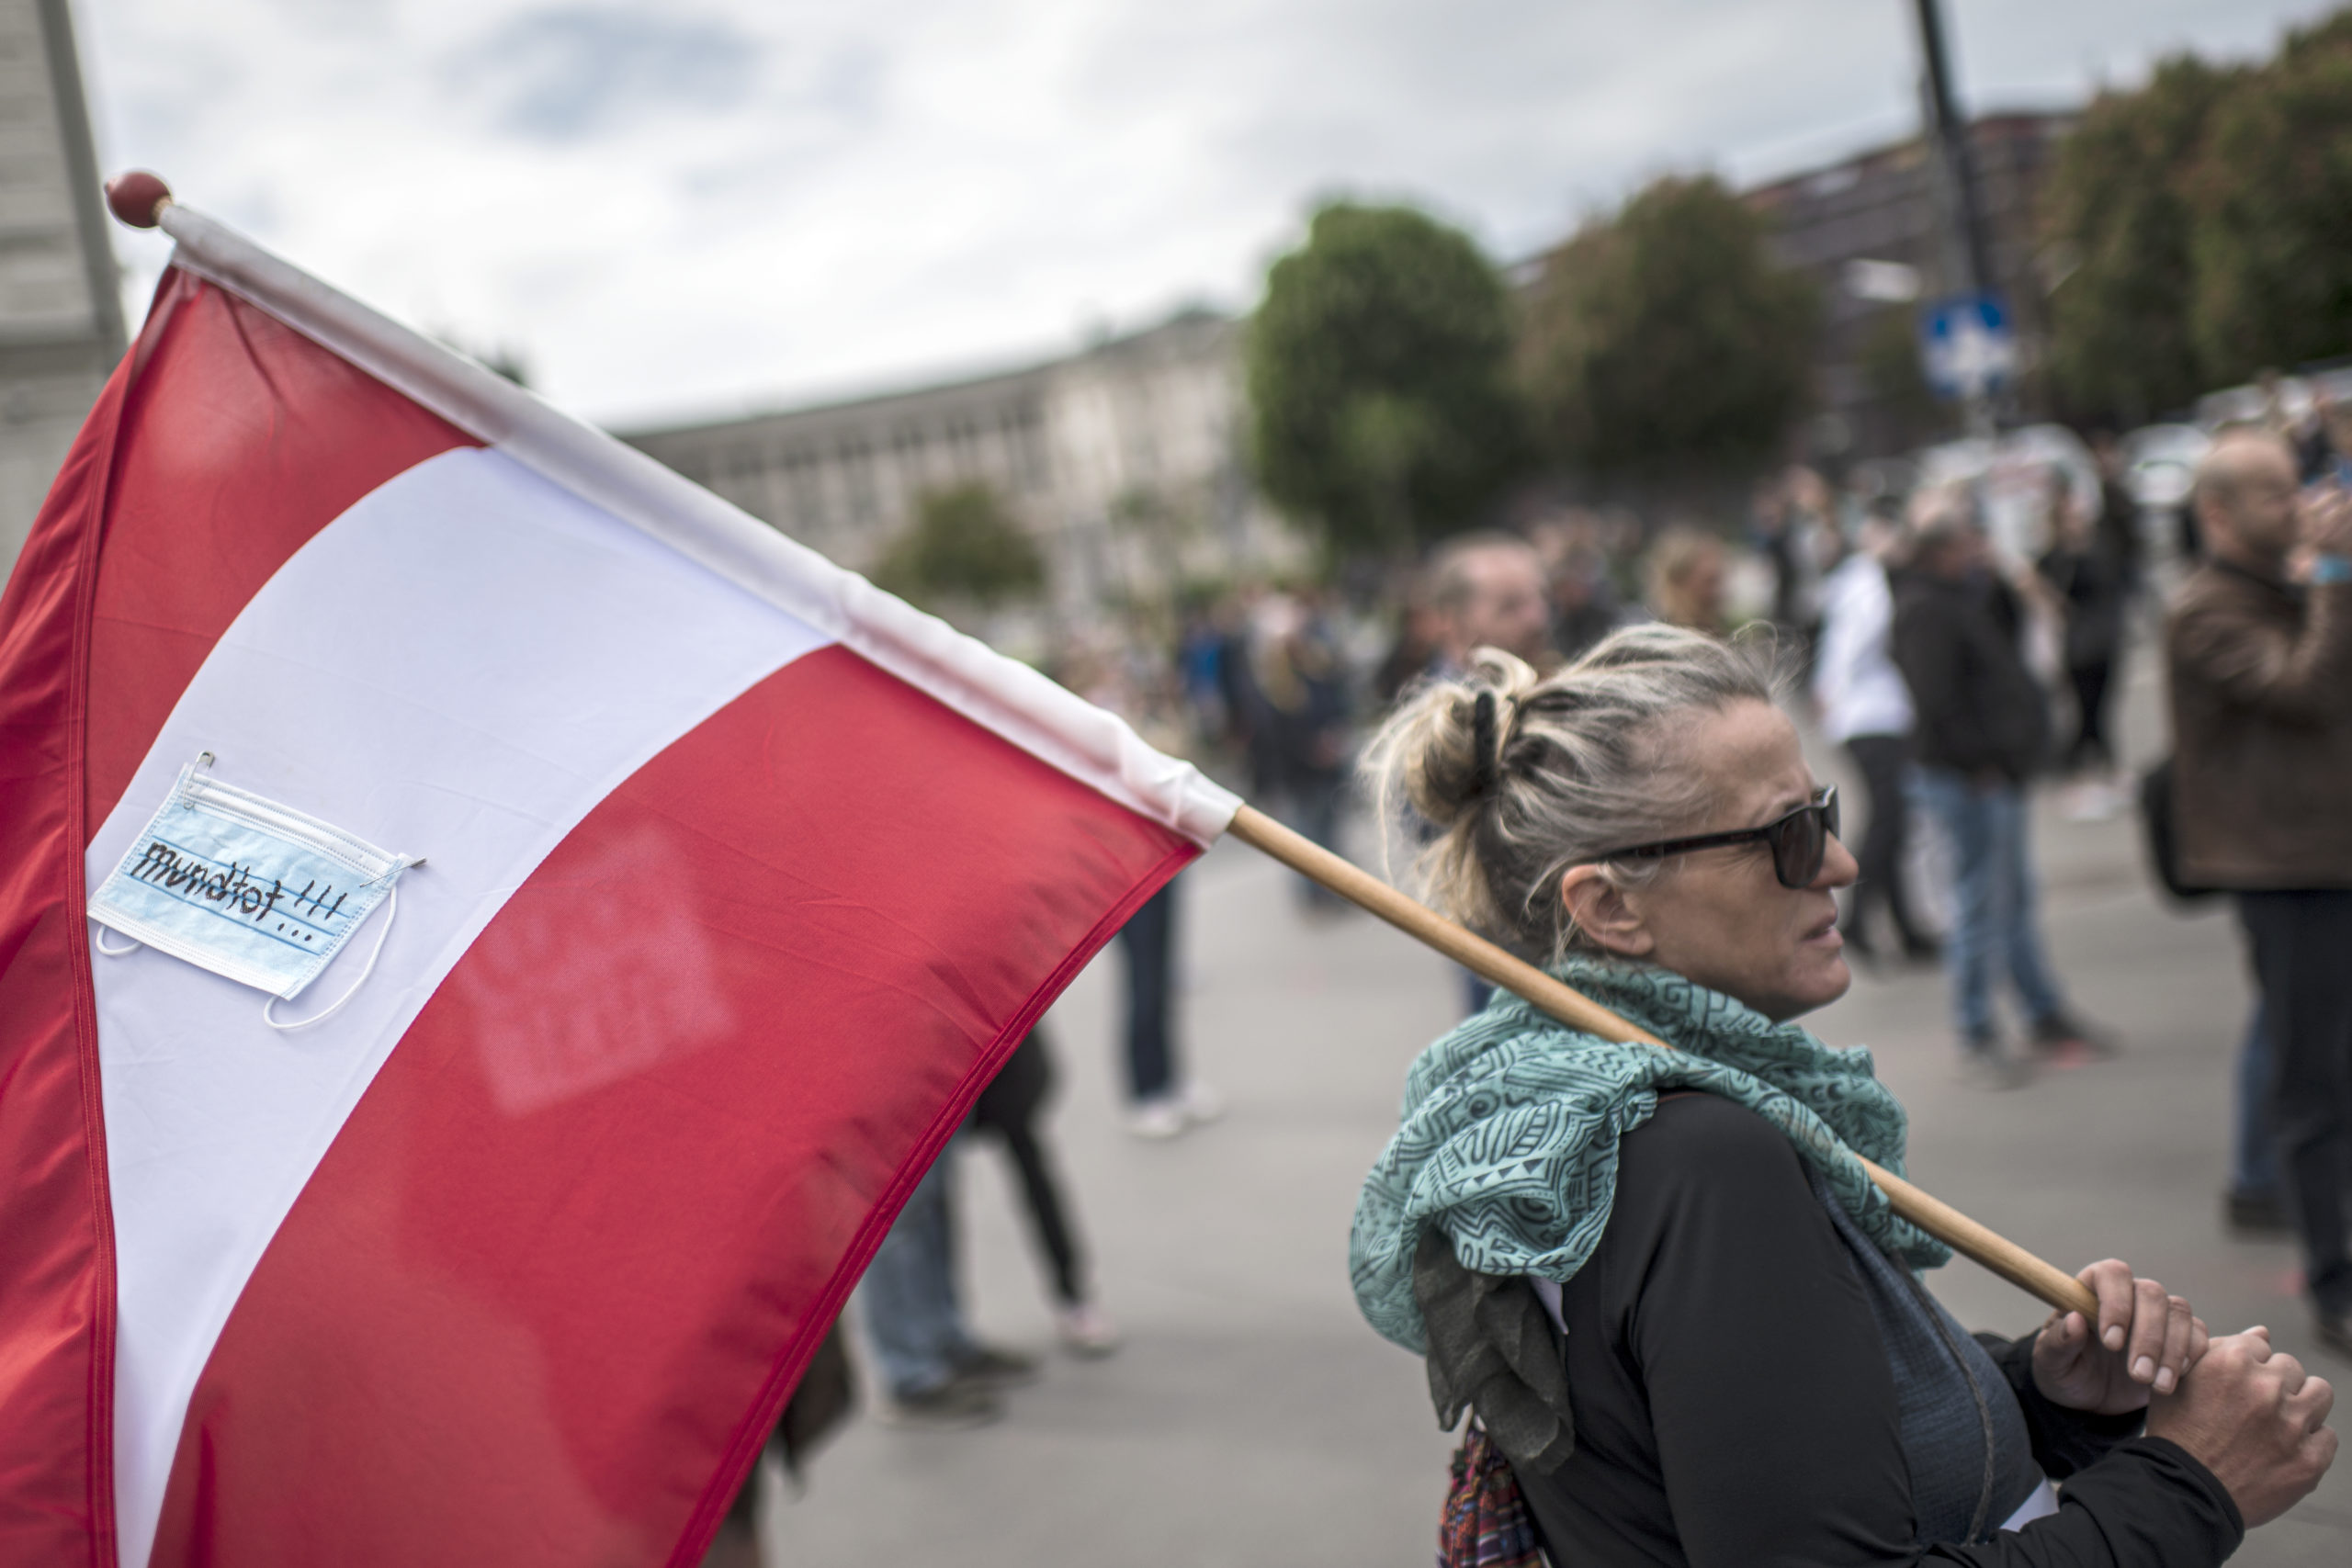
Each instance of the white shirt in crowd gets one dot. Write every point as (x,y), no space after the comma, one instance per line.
(1854,677)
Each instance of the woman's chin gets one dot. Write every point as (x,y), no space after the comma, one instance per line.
(1820,978)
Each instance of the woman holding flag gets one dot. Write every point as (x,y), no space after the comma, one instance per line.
(1689,1325)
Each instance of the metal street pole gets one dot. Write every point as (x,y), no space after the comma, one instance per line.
(1967,268)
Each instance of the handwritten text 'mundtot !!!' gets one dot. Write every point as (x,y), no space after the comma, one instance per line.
(233,889)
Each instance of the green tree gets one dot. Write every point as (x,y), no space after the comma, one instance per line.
(2120,206)
(1379,370)
(2273,247)
(962,546)
(1665,339)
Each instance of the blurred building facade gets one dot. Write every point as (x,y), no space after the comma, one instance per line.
(61,307)
(1880,205)
(1125,460)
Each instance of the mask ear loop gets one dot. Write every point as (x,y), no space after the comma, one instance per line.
(203,760)
(392,909)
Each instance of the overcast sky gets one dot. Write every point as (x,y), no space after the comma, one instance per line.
(678,208)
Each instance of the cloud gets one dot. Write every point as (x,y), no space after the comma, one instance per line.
(568,72)
(729,203)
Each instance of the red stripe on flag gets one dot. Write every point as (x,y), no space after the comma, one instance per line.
(220,446)
(56,1239)
(545,1295)
(241,439)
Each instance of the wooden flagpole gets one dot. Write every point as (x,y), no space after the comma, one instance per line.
(138,199)
(1491,964)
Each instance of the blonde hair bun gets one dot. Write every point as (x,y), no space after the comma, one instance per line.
(1562,768)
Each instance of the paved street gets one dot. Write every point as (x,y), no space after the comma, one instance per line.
(1253,1418)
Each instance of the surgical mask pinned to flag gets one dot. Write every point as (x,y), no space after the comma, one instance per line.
(237,883)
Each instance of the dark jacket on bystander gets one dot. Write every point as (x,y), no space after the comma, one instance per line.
(1979,709)
(2261,674)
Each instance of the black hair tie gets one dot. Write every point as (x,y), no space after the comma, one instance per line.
(1484,775)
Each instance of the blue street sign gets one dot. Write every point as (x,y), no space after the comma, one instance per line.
(1966,345)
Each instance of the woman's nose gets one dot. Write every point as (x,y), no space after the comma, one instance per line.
(1838,867)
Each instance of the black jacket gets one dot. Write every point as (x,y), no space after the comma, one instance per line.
(1979,709)
(2097,592)
(1734,1409)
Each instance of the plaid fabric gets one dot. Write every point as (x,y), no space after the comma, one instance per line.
(1486,1524)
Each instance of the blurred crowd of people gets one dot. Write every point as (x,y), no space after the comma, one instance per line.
(1958,665)
(1955,665)
(1951,673)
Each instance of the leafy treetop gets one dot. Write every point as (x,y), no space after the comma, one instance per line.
(1666,338)
(1379,380)
(2209,218)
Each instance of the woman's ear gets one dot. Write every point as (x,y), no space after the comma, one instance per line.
(1603,913)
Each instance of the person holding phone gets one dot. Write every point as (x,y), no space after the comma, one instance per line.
(2261,690)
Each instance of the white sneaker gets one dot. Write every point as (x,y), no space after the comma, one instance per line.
(1086,1332)
(1201,1104)
(2091,801)
(1157,1118)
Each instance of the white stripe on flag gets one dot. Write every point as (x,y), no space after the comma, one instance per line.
(461,666)
(996,692)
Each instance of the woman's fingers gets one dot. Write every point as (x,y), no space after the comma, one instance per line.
(2314,1400)
(2174,1360)
(2059,1349)
(2110,1281)
(2151,1321)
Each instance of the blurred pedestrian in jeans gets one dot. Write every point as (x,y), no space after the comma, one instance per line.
(1866,708)
(1982,728)
(2261,672)
(2092,586)
(934,1373)
(1161,1103)
(2254,1201)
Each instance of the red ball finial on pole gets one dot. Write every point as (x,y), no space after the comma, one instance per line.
(138,199)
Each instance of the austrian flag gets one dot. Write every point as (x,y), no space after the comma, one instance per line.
(489,935)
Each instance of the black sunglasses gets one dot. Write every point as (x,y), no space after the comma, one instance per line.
(1799,841)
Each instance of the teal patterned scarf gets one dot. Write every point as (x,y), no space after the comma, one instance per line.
(1512,1122)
